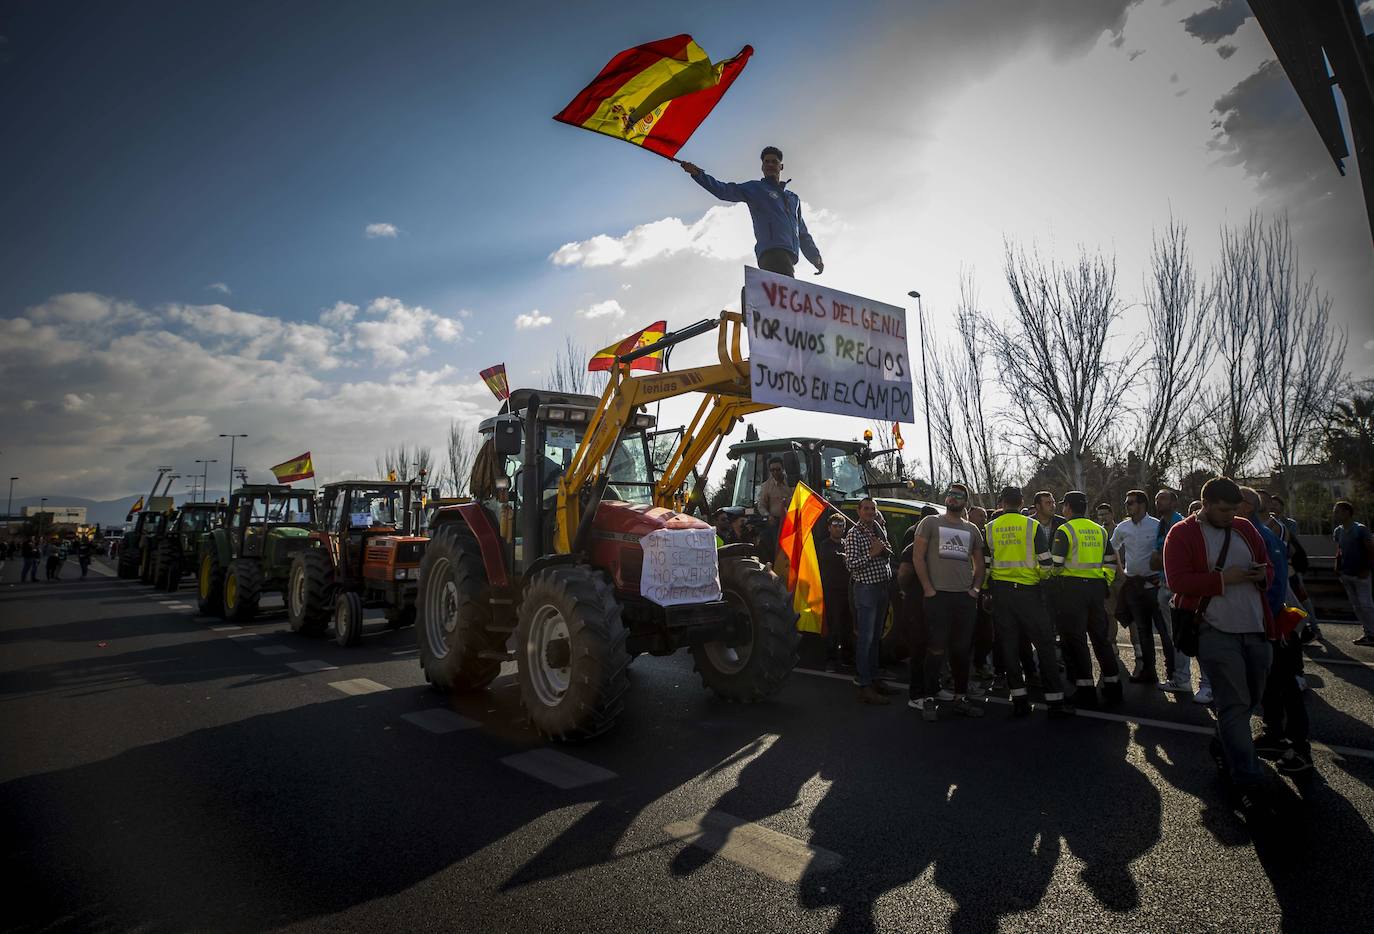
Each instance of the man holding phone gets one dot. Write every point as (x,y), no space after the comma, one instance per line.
(1217,566)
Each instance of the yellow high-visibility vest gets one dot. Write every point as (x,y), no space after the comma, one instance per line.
(1011,536)
(1087,551)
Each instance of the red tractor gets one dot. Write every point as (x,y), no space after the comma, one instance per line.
(363,553)
(574,556)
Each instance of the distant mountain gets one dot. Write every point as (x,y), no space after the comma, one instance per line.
(107,512)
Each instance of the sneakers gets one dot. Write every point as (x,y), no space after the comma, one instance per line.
(929,709)
(1254,803)
(966,708)
(1202,695)
(945,695)
(1294,763)
(1269,746)
(1175,685)
(867,695)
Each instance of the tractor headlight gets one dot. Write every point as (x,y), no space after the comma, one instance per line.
(403,574)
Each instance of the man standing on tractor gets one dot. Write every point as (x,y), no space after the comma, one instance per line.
(780,234)
(868,556)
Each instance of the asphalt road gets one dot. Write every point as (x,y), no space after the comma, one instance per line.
(163,774)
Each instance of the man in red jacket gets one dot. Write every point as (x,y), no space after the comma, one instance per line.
(1217,564)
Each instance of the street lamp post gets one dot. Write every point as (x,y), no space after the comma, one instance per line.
(9,506)
(232,439)
(205,475)
(925,383)
(42,517)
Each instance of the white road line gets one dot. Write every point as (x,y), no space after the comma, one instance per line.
(357,686)
(225,628)
(558,769)
(245,636)
(405,652)
(310,666)
(753,846)
(274,650)
(439,720)
(180,606)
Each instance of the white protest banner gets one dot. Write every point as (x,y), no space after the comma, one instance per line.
(826,351)
(680,566)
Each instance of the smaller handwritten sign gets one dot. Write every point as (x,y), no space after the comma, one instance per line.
(680,566)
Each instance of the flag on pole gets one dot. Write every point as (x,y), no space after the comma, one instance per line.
(299,467)
(136,507)
(604,359)
(495,378)
(654,95)
(897,435)
(803,568)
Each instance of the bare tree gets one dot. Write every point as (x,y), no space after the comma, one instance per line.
(405,462)
(1065,390)
(1178,311)
(569,372)
(1304,369)
(959,410)
(1229,426)
(462,448)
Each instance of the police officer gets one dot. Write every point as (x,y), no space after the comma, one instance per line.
(1084,568)
(1020,551)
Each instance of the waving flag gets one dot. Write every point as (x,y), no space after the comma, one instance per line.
(654,95)
(803,568)
(136,507)
(897,435)
(605,359)
(495,378)
(299,467)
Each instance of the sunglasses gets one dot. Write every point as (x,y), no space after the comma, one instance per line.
(957,494)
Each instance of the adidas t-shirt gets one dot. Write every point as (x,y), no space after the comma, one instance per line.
(949,551)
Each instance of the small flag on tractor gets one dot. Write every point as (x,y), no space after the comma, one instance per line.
(495,378)
(897,435)
(136,507)
(654,95)
(605,359)
(297,468)
(803,569)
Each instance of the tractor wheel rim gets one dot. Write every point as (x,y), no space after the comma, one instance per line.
(231,590)
(732,659)
(441,607)
(341,618)
(550,684)
(297,592)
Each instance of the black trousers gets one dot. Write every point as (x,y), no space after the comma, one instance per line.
(1082,617)
(1285,714)
(779,261)
(947,621)
(1021,617)
(839,620)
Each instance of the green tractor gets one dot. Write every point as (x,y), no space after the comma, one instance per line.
(180,542)
(154,529)
(266,526)
(129,552)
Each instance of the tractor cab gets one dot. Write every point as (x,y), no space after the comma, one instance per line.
(372,528)
(268,521)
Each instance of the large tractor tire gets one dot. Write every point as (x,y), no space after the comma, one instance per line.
(146,561)
(210,584)
(168,567)
(242,589)
(757,668)
(310,592)
(348,619)
(570,649)
(453,613)
(127,566)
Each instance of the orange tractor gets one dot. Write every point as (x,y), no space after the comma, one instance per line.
(364,553)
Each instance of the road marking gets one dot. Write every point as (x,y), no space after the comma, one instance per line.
(753,846)
(228,627)
(558,769)
(180,606)
(439,720)
(310,666)
(274,650)
(245,636)
(405,652)
(357,686)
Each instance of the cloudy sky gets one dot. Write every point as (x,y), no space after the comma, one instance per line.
(314,223)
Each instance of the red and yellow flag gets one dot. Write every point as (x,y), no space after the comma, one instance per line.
(897,435)
(136,507)
(495,378)
(299,467)
(605,359)
(803,569)
(654,95)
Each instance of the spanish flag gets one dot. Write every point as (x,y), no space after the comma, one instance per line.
(297,468)
(654,95)
(803,569)
(136,507)
(605,359)
(897,435)
(495,378)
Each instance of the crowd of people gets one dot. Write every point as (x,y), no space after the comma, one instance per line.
(51,553)
(1031,597)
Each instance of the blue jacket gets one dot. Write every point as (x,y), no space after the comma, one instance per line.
(1278,556)
(776,212)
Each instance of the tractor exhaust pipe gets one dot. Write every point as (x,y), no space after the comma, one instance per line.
(532,499)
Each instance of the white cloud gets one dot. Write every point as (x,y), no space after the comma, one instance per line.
(607,309)
(532,320)
(447,330)
(398,335)
(219,287)
(1369,345)
(374,231)
(339,316)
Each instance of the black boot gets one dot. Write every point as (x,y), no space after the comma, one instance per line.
(1111,694)
(1020,706)
(1059,710)
(1085,697)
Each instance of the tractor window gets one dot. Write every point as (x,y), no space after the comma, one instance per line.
(377,508)
(843,471)
(744,480)
(629,470)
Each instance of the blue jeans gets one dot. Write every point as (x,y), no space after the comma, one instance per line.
(870,609)
(30,570)
(1237,665)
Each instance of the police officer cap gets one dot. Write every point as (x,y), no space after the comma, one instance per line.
(1077,499)
(1009,494)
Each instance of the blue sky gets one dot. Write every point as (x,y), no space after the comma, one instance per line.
(187,192)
